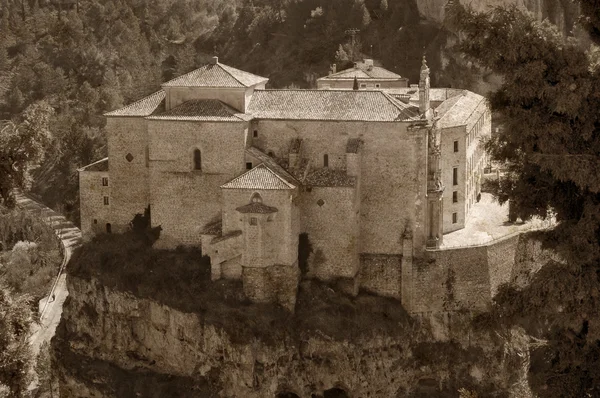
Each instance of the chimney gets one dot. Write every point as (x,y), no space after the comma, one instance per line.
(214,60)
(333,68)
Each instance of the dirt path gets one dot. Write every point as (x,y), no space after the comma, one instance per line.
(51,307)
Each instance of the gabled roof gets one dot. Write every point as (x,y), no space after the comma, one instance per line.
(144,107)
(463,110)
(216,75)
(272,164)
(260,177)
(100,165)
(358,105)
(201,110)
(364,71)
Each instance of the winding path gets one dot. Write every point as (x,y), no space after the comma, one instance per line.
(50,309)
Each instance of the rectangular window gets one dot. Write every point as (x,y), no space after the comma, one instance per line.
(455,197)
(378,85)
(455,176)
(95,221)
(253,221)
(326,160)
(255,134)
(106,201)
(363,85)
(104,181)
(454,218)
(248,165)
(455,146)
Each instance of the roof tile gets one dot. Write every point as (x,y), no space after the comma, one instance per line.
(359,105)
(201,110)
(216,75)
(144,107)
(260,177)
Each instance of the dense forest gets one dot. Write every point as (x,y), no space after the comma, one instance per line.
(85,57)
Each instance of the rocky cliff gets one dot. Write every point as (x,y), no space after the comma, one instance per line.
(112,344)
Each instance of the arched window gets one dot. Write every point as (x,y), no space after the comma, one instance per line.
(326,160)
(256,198)
(197,159)
(108,228)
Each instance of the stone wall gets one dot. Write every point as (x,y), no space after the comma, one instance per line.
(469,277)
(184,200)
(94,213)
(381,274)
(272,284)
(392,170)
(128,179)
(449,160)
(332,227)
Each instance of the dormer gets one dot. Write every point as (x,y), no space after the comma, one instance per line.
(214,81)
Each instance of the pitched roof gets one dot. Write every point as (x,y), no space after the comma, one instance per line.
(364,71)
(143,107)
(463,110)
(272,164)
(412,94)
(100,165)
(260,177)
(359,105)
(216,75)
(202,110)
(257,208)
(326,177)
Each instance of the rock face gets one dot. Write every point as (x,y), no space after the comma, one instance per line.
(562,13)
(112,344)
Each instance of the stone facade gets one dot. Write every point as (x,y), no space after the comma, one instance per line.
(243,171)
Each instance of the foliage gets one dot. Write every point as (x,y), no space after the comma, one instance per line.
(550,144)
(47,384)
(22,146)
(31,256)
(15,354)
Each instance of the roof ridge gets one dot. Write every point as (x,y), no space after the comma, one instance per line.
(229,73)
(276,175)
(185,74)
(135,102)
(92,164)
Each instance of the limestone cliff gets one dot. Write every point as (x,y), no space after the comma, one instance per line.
(112,344)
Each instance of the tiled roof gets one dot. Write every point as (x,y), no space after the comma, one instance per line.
(100,165)
(260,177)
(257,208)
(363,71)
(213,228)
(359,105)
(353,145)
(462,111)
(202,110)
(231,234)
(435,94)
(272,165)
(144,107)
(216,75)
(326,177)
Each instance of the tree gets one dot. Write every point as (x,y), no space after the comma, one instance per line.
(550,145)
(21,147)
(15,354)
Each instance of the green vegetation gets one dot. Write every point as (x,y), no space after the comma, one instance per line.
(550,143)
(15,356)
(181,279)
(30,254)
(90,58)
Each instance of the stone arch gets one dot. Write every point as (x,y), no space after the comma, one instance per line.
(335,392)
(197,159)
(256,198)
